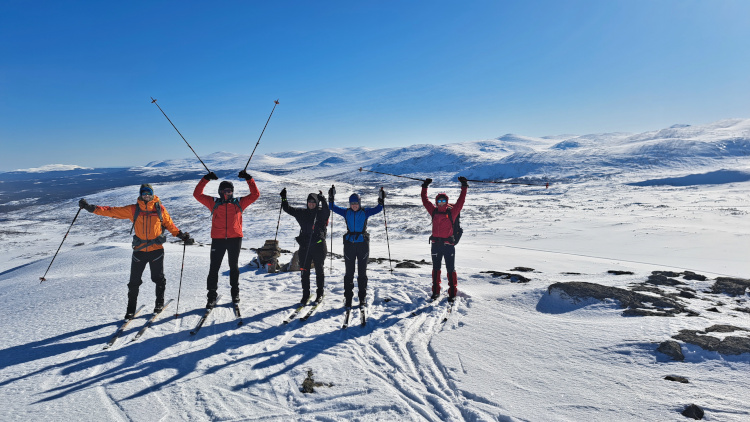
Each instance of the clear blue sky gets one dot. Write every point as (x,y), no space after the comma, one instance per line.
(76,76)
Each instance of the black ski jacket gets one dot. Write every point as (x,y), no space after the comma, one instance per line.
(312,222)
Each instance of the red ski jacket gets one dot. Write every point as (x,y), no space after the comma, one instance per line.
(226,219)
(442,227)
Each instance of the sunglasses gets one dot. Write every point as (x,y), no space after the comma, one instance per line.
(227,191)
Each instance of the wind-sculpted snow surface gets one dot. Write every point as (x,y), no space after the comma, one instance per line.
(508,351)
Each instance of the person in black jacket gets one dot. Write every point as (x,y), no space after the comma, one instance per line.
(313,223)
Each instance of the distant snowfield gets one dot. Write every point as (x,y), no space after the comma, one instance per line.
(509,351)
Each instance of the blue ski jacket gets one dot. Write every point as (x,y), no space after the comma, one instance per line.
(356,222)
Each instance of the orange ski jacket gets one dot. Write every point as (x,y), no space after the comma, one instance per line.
(148,226)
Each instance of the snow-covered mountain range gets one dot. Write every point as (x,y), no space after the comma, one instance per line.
(581,301)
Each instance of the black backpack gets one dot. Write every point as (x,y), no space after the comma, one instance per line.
(457,230)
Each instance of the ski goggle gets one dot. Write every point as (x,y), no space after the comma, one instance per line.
(442,201)
(146,193)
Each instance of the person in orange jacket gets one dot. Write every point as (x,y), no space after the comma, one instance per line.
(226,230)
(149,218)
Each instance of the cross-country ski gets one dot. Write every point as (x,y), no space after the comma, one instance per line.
(205,316)
(124,325)
(150,321)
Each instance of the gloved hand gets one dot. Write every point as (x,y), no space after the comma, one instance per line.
(243,175)
(185,237)
(427,182)
(321,198)
(381,201)
(211,176)
(283,194)
(381,196)
(463,181)
(331,193)
(85,205)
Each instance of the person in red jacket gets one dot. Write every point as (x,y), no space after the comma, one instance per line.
(149,218)
(226,230)
(443,243)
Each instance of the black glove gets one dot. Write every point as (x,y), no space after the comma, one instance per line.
(381,201)
(464,181)
(381,196)
(211,176)
(283,194)
(321,198)
(426,182)
(85,205)
(185,237)
(243,175)
(331,193)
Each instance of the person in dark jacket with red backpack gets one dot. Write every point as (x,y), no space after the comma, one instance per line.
(226,230)
(443,238)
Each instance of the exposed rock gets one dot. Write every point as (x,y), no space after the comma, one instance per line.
(689,275)
(569,273)
(407,265)
(714,309)
(522,269)
(730,345)
(730,286)
(514,278)
(666,273)
(686,294)
(746,310)
(634,301)
(693,411)
(617,272)
(672,349)
(677,378)
(662,280)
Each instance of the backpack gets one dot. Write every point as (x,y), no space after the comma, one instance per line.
(219,201)
(457,230)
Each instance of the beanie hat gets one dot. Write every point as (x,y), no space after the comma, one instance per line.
(225,185)
(313,197)
(146,188)
(354,199)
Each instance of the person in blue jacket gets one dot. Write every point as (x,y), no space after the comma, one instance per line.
(356,243)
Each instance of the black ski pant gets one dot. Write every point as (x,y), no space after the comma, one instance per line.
(356,253)
(315,253)
(155,261)
(219,247)
(444,251)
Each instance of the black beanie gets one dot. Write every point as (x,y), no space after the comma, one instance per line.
(225,185)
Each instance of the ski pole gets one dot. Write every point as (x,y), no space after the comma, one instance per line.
(385,221)
(42,278)
(179,290)
(261,133)
(333,191)
(546,185)
(153,101)
(389,174)
(278,222)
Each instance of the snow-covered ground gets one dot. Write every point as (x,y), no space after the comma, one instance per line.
(509,351)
